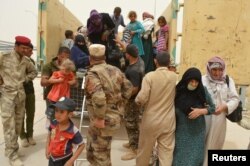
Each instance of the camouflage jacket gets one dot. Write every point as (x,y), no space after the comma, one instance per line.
(106,90)
(14,72)
(48,70)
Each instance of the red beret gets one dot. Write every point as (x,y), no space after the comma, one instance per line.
(22,40)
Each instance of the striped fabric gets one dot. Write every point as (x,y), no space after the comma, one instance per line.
(126,37)
(162,41)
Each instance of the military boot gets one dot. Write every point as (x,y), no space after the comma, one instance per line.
(131,154)
(20,154)
(31,141)
(126,145)
(16,162)
(24,143)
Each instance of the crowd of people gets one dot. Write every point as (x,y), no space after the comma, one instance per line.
(180,120)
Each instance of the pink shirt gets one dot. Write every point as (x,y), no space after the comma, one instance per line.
(163,39)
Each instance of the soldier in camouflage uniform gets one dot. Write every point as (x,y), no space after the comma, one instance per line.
(27,127)
(134,73)
(15,70)
(106,90)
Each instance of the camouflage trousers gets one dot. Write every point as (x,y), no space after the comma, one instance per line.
(132,119)
(98,148)
(12,112)
(30,114)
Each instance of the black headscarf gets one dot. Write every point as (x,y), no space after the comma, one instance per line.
(185,99)
(84,48)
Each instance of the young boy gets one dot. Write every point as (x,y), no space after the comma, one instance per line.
(69,39)
(62,134)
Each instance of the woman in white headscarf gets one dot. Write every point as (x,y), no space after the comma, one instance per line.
(225,99)
(148,24)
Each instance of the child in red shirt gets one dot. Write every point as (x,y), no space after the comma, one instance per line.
(62,135)
(61,80)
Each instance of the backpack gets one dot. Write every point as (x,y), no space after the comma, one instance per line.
(236,115)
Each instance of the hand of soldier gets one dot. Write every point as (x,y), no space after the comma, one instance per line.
(99,123)
(72,82)
(44,81)
(59,80)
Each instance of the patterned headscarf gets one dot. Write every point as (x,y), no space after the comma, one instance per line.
(94,14)
(82,30)
(95,22)
(216,62)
